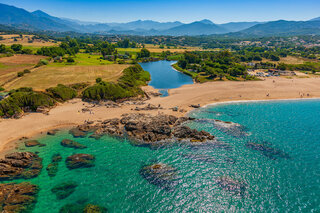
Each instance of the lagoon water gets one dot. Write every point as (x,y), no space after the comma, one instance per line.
(164,77)
(279,184)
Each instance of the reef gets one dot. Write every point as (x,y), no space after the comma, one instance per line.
(161,175)
(52,168)
(267,151)
(233,186)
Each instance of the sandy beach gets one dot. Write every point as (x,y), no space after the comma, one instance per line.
(70,113)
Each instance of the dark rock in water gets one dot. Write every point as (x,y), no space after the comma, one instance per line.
(233,186)
(20,165)
(230,128)
(90,208)
(52,132)
(210,146)
(56,158)
(77,133)
(16,198)
(183,132)
(64,190)
(268,151)
(161,175)
(80,161)
(199,157)
(52,168)
(230,160)
(72,144)
(82,208)
(33,143)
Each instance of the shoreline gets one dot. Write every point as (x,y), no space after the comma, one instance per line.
(70,114)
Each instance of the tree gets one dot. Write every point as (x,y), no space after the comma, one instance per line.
(16,47)
(144,53)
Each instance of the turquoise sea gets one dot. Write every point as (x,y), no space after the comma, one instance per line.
(284,181)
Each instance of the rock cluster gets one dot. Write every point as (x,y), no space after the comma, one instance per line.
(20,165)
(17,197)
(161,175)
(148,107)
(80,161)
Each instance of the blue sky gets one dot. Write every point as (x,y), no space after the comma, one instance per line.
(219,11)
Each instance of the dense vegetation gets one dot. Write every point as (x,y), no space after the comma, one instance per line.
(62,92)
(127,86)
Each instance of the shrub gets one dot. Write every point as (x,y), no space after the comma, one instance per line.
(62,92)
(70,60)
(42,62)
(26,71)
(98,80)
(79,86)
(1,89)
(20,74)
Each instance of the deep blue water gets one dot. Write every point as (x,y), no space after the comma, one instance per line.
(284,181)
(163,76)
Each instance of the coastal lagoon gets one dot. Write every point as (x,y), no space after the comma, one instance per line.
(164,77)
(274,153)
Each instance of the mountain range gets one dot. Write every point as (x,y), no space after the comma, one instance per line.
(41,21)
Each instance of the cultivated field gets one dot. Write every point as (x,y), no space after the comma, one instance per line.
(25,41)
(49,76)
(10,66)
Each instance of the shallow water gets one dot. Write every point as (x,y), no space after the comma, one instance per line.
(164,77)
(273,184)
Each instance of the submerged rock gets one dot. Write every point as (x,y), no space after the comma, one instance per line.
(52,168)
(233,186)
(85,208)
(64,190)
(80,161)
(230,128)
(16,198)
(161,175)
(267,151)
(33,143)
(199,157)
(77,133)
(20,165)
(72,144)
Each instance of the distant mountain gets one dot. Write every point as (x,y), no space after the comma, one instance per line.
(20,18)
(282,27)
(315,19)
(238,26)
(40,21)
(195,28)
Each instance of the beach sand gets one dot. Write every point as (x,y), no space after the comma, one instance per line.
(70,113)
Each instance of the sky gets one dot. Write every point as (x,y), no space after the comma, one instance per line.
(218,11)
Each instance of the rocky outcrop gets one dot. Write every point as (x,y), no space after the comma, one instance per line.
(72,144)
(90,208)
(80,161)
(233,186)
(33,143)
(144,129)
(52,168)
(16,198)
(64,190)
(20,165)
(161,175)
(52,132)
(267,151)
